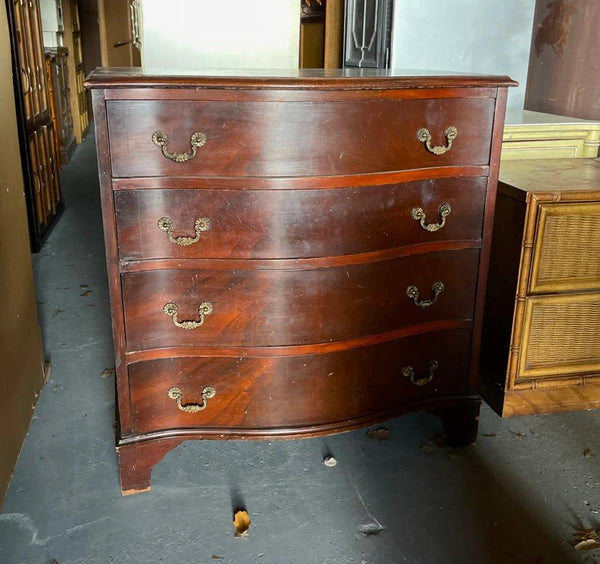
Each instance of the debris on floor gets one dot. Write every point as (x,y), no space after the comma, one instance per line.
(329,461)
(371,529)
(107,372)
(241,522)
(587,539)
(587,452)
(379,434)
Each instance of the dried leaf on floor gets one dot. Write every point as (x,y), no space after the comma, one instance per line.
(215,557)
(107,372)
(86,293)
(587,452)
(379,434)
(587,539)
(241,522)
(517,434)
(488,434)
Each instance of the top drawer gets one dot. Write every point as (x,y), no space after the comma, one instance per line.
(270,139)
(566,255)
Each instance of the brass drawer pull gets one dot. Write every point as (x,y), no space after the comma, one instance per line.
(413,293)
(424,136)
(419,215)
(160,139)
(201,224)
(204,309)
(409,372)
(177,395)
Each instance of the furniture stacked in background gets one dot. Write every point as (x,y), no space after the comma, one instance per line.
(40,161)
(535,135)
(541,338)
(293,255)
(57,71)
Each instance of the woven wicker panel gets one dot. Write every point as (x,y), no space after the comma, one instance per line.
(569,257)
(562,336)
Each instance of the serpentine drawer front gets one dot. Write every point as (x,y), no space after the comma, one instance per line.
(206,223)
(292,307)
(254,138)
(293,255)
(262,395)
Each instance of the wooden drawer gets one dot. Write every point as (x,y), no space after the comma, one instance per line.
(567,248)
(295,391)
(278,223)
(292,307)
(297,138)
(561,336)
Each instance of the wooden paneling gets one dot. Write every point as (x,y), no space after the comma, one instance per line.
(21,369)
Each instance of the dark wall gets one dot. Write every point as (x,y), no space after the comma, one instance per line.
(564,65)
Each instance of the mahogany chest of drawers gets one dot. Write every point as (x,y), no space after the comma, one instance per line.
(293,254)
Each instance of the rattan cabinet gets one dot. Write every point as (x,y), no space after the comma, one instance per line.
(541,335)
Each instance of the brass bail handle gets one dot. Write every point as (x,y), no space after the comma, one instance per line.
(160,139)
(424,136)
(419,215)
(204,309)
(409,372)
(176,394)
(201,224)
(413,293)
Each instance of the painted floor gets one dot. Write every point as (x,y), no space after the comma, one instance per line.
(518,496)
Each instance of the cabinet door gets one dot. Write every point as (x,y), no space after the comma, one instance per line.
(566,254)
(38,182)
(26,76)
(46,147)
(38,54)
(54,188)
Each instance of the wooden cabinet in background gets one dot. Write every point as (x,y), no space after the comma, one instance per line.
(541,336)
(36,135)
(60,103)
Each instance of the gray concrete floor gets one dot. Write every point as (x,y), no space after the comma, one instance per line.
(518,496)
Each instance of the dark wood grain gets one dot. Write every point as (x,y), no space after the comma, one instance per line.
(263,393)
(294,79)
(280,224)
(112,255)
(254,139)
(488,223)
(279,307)
(297,182)
(136,462)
